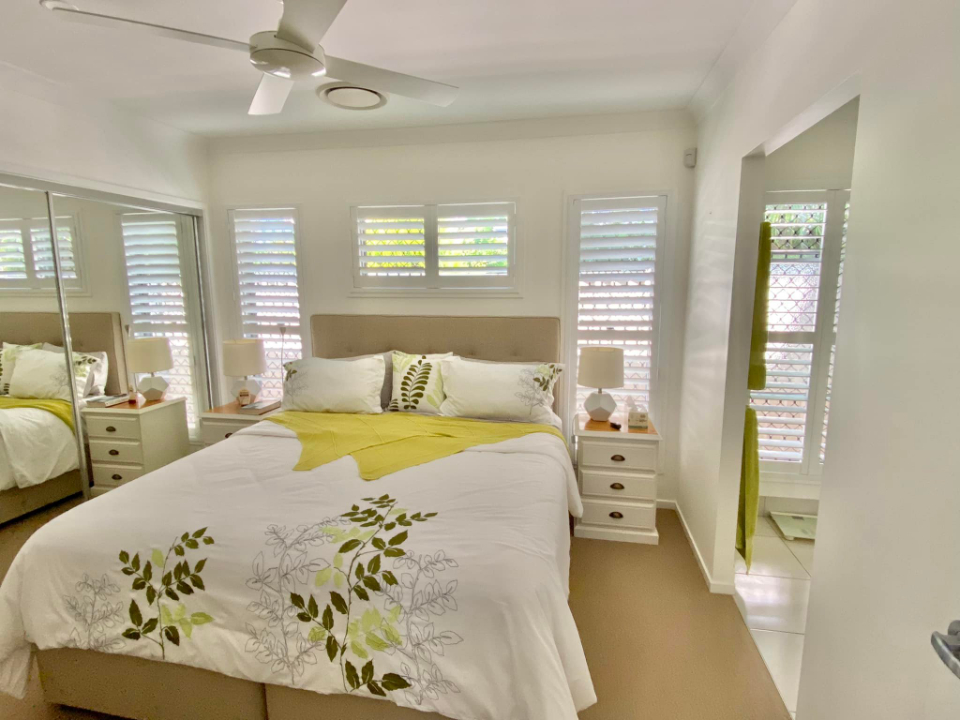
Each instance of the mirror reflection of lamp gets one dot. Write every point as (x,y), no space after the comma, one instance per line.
(241,359)
(150,355)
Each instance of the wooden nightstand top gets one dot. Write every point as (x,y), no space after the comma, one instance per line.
(590,428)
(138,406)
(231,411)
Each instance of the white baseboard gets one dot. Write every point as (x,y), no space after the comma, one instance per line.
(715,587)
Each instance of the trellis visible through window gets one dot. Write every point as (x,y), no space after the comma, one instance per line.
(151,248)
(465,246)
(618,299)
(268,289)
(26,255)
(808,244)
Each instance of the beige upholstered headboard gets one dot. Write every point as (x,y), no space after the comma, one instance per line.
(90,332)
(503,339)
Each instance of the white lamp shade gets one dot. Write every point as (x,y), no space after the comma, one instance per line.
(147,355)
(243,357)
(600,367)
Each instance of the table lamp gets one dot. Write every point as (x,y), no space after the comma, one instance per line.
(241,359)
(600,367)
(150,355)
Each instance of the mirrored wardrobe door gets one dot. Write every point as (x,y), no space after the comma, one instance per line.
(40,457)
(136,304)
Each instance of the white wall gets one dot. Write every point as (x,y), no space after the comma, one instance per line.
(495,162)
(888,560)
(820,158)
(48,133)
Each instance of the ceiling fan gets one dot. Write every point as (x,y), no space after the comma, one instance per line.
(289,54)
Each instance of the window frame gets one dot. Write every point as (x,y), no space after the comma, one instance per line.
(822,338)
(31,285)
(571,292)
(432,284)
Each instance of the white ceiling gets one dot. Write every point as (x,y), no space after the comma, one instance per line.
(512,59)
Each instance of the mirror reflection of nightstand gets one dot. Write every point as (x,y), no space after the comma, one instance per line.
(133,439)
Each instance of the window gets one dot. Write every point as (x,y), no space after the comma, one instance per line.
(26,255)
(268,291)
(620,239)
(151,248)
(808,244)
(437,247)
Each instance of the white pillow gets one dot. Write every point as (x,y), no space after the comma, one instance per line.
(417,383)
(340,386)
(8,361)
(97,379)
(500,391)
(42,374)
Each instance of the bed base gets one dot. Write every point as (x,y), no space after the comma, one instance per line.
(20,501)
(132,687)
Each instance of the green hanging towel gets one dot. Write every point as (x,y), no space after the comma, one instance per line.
(756,380)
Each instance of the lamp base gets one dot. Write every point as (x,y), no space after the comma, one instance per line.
(600,406)
(153,388)
(251,386)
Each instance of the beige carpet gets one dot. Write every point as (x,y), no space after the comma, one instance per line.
(659,645)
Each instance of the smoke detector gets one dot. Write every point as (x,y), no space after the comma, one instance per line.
(352,97)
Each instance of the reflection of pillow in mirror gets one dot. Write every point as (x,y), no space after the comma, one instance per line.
(42,374)
(8,360)
(97,380)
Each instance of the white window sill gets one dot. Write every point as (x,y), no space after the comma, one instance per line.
(387,292)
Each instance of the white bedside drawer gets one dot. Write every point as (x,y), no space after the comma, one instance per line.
(116,451)
(620,486)
(113,427)
(213,432)
(115,475)
(633,455)
(614,514)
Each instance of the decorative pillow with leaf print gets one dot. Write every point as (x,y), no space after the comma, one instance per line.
(42,374)
(8,359)
(417,383)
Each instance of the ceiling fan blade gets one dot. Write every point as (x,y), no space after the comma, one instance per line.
(391,82)
(162,30)
(305,22)
(271,95)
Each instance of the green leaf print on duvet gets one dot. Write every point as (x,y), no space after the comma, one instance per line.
(159,585)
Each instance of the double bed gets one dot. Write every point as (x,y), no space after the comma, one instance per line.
(38,452)
(463,573)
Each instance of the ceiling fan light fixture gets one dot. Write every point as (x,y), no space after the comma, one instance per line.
(271,55)
(352,97)
(57,5)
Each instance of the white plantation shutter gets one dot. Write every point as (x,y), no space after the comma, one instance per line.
(151,247)
(43,251)
(470,245)
(618,294)
(474,242)
(267,280)
(13,260)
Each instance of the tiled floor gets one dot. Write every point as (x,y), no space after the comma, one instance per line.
(775,594)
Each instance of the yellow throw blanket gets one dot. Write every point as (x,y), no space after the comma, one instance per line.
(61,408)
(388,443)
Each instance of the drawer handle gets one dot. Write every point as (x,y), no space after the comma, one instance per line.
(114,452)
(617,458)
(117,476)
(617,486)
(616,515)
(111,428)
(227,435)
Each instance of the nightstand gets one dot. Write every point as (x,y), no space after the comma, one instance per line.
(617,474)
(133,439)
(219,423)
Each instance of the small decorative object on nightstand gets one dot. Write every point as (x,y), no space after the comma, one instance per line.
(219,423)
(134,438)
(150,355)
(617,473)
(241,359)
(600,367)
